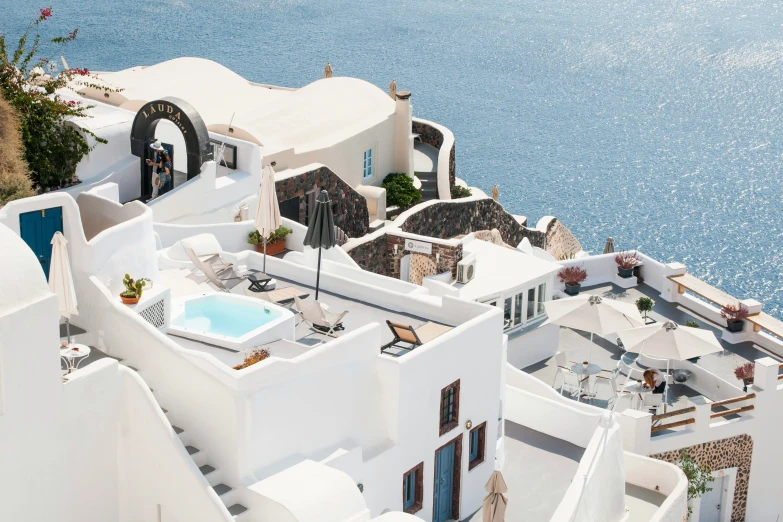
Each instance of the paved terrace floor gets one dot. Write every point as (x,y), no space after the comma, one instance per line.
(539,469)
(359,314)
(606,354)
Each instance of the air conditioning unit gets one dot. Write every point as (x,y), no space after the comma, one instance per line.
(466,269)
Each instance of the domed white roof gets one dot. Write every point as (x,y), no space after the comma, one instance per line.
(22,280)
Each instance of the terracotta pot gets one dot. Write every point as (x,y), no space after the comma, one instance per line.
(271,248)
(129,300)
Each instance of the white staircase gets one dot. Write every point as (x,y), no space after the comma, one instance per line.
(214,476)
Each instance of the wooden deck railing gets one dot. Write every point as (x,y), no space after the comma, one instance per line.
(692,409)
(780,376)
(675,424)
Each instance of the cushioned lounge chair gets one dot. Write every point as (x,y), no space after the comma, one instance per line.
(413,337)
(320,320)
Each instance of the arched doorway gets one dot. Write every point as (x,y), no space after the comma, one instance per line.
(186,119)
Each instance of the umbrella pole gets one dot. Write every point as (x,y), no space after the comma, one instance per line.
(68,330)
(265,255)
(590,349)
(666,388)
(318,274)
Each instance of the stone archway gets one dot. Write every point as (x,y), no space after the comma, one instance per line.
(187,120)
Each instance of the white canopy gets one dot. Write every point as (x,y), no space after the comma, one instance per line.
(268,212)
(593,313)
(671,341)
(60,278)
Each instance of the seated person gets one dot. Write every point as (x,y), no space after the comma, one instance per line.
(654,379)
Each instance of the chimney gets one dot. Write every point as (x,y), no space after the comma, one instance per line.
(403,150)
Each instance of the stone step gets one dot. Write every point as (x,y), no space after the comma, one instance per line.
(221,489)
(236,510)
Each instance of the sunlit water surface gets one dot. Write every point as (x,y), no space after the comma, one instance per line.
(657,123)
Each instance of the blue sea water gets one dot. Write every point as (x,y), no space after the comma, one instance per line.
(657,122)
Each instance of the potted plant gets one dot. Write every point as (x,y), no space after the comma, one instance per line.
(572,277)
(744,372)
(275,242)
(734,315)
(626,261)
(644,305)
(133,287)
(255,355)
(699,477)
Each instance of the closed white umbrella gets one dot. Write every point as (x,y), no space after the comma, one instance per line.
(670,341)
(493,508)
(594,314)
(268,211)
(61,281)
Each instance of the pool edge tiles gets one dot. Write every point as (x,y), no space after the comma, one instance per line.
(280,327)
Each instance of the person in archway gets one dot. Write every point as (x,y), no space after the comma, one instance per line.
(165,172)
(156,167)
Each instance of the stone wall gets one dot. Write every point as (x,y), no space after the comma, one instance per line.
(446,220)
(350,207)
(372,255)
(561,242)
(377,255)
(734,452)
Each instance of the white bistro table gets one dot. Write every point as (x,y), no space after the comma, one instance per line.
(639,391)
(585,372)
(73,355)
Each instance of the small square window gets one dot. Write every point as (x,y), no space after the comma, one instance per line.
(477,445)
(412,489)
(449,407)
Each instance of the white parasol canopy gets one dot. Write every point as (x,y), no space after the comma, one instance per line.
(61,280)
(670,341)
(268,211)
(593,313)
(493,508)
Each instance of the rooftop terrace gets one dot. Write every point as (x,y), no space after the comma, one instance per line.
(607,354)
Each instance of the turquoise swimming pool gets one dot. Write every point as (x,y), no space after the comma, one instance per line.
(231,321)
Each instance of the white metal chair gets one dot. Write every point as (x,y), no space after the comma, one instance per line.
(652,401)
(561,361)
(570,382)
(611,382)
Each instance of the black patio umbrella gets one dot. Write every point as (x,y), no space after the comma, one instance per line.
(320,231)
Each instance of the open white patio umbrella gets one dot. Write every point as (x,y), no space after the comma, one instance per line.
(594,314)
(670,341)
(493,508)
(61,281)
(268,211)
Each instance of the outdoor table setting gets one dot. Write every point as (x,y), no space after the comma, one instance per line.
(73,355)
(639,391)
(585,372)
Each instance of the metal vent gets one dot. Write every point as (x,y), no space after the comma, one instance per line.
(155,314)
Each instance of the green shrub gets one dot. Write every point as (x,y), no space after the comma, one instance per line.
(51,149)
(699,477)
(400,191)
(692,324)
(458,191)
(254,237)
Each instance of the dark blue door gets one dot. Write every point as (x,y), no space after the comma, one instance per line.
(37,229)
(444,483)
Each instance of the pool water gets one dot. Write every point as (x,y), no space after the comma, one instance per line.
(225,317)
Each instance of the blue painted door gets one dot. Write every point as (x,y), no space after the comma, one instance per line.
(37,229)
(444,483)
